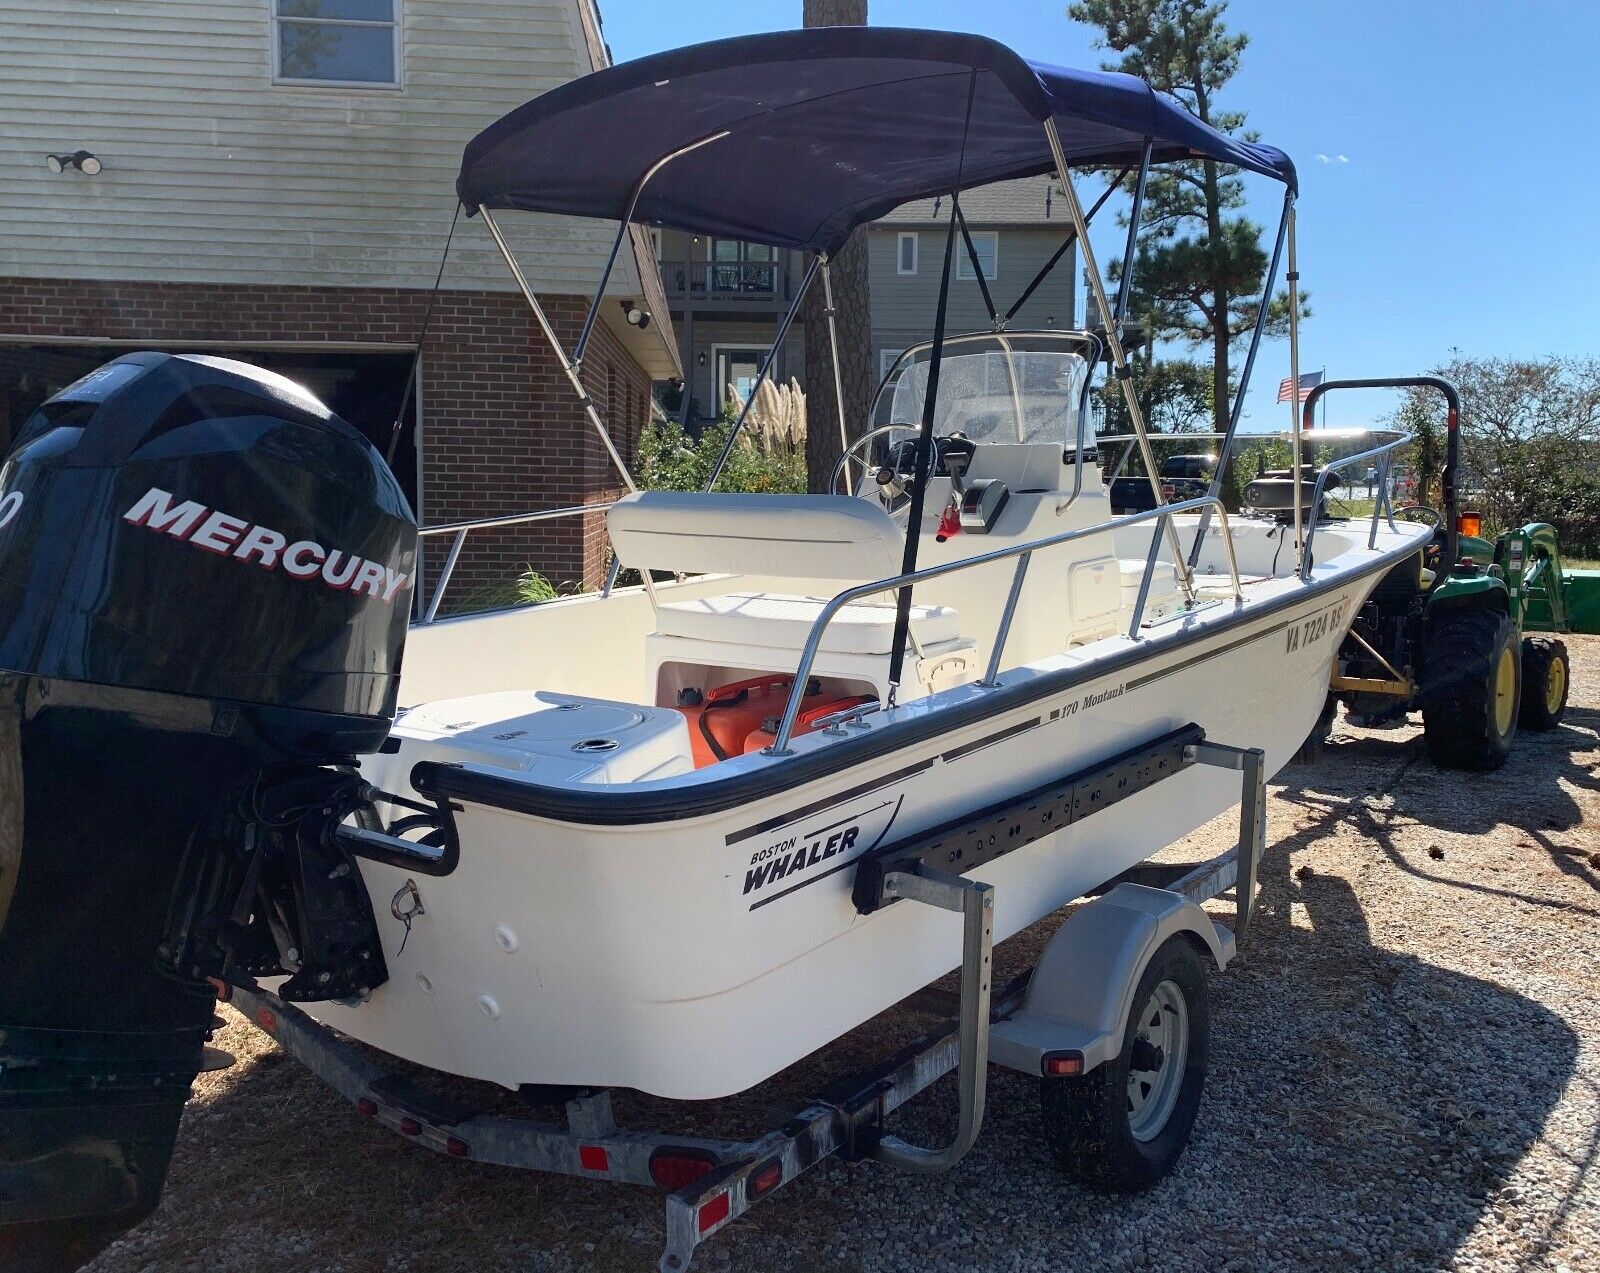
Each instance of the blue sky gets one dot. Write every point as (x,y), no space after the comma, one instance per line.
(1465,214)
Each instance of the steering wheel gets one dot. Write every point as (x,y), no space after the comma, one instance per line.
(1431,517)
(1420,513)
(880,478)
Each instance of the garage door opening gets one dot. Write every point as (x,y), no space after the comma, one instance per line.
(366,388)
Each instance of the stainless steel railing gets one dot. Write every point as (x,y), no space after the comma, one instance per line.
(1024,554)
(1384,455)
(461,529)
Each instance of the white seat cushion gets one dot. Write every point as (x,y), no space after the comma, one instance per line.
(789,536)
(774,620)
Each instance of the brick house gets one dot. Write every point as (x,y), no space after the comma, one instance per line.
(280,188)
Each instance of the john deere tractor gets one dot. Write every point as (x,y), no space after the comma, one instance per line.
(1466,631)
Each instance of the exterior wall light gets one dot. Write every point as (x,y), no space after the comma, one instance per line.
(89,165)
(637,316)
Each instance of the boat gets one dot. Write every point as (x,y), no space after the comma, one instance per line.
(626,915)
(674,837)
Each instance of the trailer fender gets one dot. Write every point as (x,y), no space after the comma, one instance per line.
(1080,994)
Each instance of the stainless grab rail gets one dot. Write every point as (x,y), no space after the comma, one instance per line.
(791,710)
(1385,500)
(461,529)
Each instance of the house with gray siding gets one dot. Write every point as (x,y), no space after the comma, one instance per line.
(1016,227)
(274,180)
(727,297)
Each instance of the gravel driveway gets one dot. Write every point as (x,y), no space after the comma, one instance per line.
(1405,1075)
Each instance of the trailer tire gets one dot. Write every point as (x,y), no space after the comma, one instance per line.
(1546,676)
(1090,1122)
(1472,688)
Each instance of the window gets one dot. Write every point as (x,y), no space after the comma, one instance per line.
(986,243)
(743,267)
(349,42)
(906,254)
(886,359)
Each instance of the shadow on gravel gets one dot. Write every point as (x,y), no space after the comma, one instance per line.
(1416,1089)
(1519,805)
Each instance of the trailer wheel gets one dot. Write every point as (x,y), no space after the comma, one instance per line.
(1471,689)
(1546,674)
(1123,1125)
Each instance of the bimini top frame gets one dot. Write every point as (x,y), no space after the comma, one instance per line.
(819,131)
(795,138)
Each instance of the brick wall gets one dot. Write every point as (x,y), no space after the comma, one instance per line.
(501,431)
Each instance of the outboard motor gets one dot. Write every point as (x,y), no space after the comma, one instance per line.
(205,579)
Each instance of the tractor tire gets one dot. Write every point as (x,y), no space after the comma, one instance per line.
(1546,676)
(1122,1126)
(1472,688)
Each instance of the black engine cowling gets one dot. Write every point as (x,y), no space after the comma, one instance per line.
(205,580)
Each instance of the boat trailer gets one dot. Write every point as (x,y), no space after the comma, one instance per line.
(1020,1025)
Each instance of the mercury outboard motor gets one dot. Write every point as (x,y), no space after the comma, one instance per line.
(205,579)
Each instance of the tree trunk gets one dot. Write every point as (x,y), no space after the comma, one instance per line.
(1220,298)
(852,317)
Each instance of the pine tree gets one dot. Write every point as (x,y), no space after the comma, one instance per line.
(1199,267)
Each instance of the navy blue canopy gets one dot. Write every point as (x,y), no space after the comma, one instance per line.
(826,128)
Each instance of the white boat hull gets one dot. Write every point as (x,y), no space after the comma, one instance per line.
(674,957)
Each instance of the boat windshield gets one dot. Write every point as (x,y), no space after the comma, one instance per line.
(993,393)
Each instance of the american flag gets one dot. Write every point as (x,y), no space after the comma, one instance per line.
(1308,382)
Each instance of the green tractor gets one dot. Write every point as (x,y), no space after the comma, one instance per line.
(1466,632)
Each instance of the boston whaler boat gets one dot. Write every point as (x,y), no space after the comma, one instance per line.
(674,837)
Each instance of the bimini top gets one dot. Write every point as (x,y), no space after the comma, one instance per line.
(825,129)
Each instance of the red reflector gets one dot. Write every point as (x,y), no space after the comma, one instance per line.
(410,1127)
(593,1157)
(675,1168)
(715,1212)
(456,1147)
(366,1107)
(764,1181)
(1064,1064)
(267,1019)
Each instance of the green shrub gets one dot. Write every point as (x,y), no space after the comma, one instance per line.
(532,588)
(668,459)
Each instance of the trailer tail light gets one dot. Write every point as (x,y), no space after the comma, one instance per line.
(594,1158)
(673,1168)
(1470,524)
(410,1127)
(714,1212)
(457,1148)
(267,1019)
(367,1107)
(1063,1065)
(764,1181)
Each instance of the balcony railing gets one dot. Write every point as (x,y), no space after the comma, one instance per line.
(726,280)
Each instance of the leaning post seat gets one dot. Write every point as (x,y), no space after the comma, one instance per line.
(834,538)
